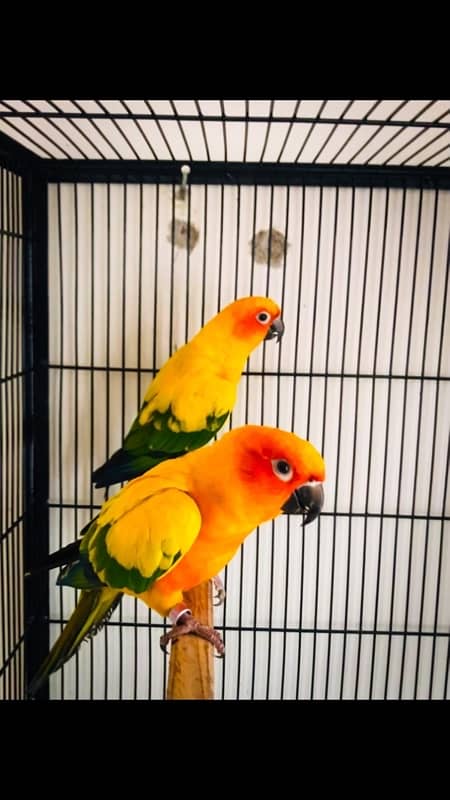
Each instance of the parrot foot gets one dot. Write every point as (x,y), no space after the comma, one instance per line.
(188,624)
(220,596)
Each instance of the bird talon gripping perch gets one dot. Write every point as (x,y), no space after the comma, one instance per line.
(188,624)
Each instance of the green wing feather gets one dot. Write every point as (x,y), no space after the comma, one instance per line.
(138,536)
(147,445)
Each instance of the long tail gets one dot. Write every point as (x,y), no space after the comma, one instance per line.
(59,558)
(93,609)
(65,555)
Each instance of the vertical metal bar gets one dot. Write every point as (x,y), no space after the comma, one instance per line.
(447,671)
(445,491)
(346,325)
(75,394)
(138,398)
(433,444)
(123,391)
(108,375)
(9,598)
(282,300)
(355,439)
(416,465)
(188,264)
(272,543)
(255,607)
(172,271)
(244,157)
(439,574)
(205,239)
(386,443)
(241,554)
(308,422)
(36,419)
(224,132)
(219,303)
(3,421)
(205,138)
(16,453)
(154,352)
(61,400)
(294,397)
(405,402)
(371,431)
(92,400)
(323,445)
(266,139)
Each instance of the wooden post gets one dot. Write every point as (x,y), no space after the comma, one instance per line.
(191,668)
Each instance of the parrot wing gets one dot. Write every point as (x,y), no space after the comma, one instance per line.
(148,443)
(184,407)
(132,542)
(139,535)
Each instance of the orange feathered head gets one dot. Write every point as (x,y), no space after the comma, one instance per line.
(272,469)
(249,319)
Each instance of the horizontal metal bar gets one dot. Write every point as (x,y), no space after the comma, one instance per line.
(11,234)
(275,629)
(12,655)
(238,173)
(10,529)
(266,373)
(359,514)
(53,115)
(13,376)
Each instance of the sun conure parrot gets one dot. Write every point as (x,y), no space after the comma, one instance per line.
(179,524)
(193,393)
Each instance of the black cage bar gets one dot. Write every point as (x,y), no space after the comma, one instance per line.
(96,292)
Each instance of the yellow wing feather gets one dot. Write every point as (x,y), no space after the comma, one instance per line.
(150,535)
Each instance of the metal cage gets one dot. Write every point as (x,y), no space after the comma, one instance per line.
(350,203)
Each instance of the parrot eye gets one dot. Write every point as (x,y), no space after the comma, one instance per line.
(263,317)
(282,469)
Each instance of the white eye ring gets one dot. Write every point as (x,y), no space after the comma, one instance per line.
(263,317)
(282,469)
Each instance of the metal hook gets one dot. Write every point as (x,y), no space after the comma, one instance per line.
(185,171)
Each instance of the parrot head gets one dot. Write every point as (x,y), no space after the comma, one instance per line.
(280,471)
(249,320)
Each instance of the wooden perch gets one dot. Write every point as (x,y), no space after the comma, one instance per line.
(191,668)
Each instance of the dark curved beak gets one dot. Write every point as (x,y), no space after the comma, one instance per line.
(307,500)
(276,330)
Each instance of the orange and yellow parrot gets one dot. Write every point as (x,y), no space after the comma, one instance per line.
(193,393)
(179,524)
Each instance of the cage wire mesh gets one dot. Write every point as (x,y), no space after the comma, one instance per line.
(11,462)
(377,132)
(356,605)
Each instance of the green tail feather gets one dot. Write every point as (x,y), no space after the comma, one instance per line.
(93,609)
